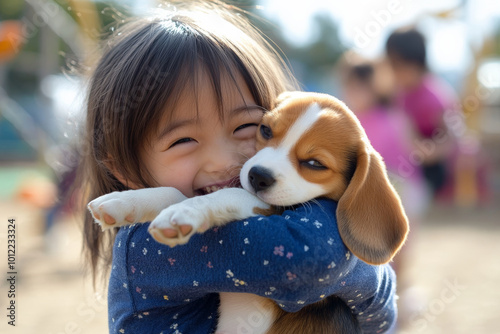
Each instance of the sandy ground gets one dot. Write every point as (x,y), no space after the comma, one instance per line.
(454,268)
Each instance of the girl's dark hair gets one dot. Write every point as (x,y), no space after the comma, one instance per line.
(408,45)
(141,74)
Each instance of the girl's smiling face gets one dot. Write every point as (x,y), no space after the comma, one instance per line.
(198,148)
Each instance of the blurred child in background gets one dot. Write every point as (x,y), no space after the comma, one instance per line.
(430,104)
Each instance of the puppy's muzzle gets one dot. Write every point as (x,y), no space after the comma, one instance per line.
(260,178)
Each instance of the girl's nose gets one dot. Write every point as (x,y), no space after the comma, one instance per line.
(221,157)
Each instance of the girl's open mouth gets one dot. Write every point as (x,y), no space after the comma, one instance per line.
(232,183)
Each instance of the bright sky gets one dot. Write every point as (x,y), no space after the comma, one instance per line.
(365,24)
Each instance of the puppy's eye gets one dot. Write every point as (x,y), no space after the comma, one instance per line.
(313,164)
(266,132)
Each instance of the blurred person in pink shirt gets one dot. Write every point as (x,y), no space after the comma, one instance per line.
(431,105)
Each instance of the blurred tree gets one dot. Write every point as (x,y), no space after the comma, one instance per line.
(320,55)
(325,49)
(10,10)
(55,36)
(50,33)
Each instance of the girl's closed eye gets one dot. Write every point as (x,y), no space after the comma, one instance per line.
(246,130)
(181,141)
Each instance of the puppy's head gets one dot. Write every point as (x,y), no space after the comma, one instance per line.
(306,149)
(312,145)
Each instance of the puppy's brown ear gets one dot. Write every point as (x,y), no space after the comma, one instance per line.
(371,219)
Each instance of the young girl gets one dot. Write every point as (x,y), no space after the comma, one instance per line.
(175,101)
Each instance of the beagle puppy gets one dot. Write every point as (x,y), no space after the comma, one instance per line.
(311,145)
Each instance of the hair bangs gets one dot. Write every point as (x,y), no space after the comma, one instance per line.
(195,57)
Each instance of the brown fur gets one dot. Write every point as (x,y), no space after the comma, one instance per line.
(329,316)
(273,210)
(371,219)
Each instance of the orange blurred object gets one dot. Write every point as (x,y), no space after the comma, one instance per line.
(37,191)
(10,39)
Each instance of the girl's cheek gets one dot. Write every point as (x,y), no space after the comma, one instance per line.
(248,148)
(183,182)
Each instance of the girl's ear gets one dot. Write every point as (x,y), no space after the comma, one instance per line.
(110,165)
(371,218)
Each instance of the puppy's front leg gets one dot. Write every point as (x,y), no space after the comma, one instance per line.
(177,223)
(121,208)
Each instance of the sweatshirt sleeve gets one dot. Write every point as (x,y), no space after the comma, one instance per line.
(296,259)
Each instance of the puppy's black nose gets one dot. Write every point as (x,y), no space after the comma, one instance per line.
(260,178)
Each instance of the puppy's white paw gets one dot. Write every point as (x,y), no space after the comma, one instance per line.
(113,210)
(176,224)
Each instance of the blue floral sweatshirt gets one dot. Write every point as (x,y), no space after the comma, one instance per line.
(296,259)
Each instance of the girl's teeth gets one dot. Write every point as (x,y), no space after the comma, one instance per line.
(212,189)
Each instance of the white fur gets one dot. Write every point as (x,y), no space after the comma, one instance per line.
(140,205)
(203,212)
(301,125)
(243,313)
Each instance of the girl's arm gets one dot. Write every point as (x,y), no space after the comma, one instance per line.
(295,259)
